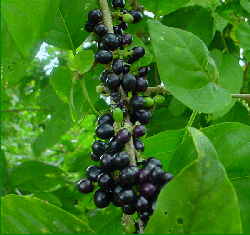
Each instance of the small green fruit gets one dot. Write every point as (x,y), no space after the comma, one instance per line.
(128,18)
(149,102)
(159,99)
(117,114)
(129,227)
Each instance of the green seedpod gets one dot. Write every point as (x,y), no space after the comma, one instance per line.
(129,227)
(159,99)
(128,18)
(149,102)
(117,114)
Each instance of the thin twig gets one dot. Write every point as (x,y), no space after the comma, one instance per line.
(242,96)
(22,110)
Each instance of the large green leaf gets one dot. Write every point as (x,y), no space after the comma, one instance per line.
(24,25)
(33,176)
(83,61)
(200,199)
(242,34)
(29,215)
(163,145)
(163,7)
(186,68)
(232,143)
(245,4)
(68,31)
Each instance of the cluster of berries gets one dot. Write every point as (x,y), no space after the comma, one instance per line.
(134,187)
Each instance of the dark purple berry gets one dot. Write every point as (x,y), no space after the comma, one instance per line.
(118,4)
(115,201)
(102,198)
(105,181)
(121,160)
(148,166)
(117,189)
(94,157)
(128,82)
(139,131)
(89,27)
(138,52)
(106,162)
(126,69)
(168,176)
(143,71)
(118,30)
(123,135)
(142,204)
(111,41)
(144,176)
(103,56)
(157,175)
(127,39)
(144,216)
(153,205)
(142,85)
(139,145)
(127,196)
(143,116)
(99,147)
(148,190)
(105,119)
(105,131)
(123,25)
(115,146)
(137,102)
(137,16)
(154,161)
(118,66)
(129,176)
(104,75)
(93,172)
(85,186)
(95,16)
(129,209)
(100,29)
(113,82)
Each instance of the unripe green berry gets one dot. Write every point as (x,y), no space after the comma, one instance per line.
(128,18)
(129,227)
(149,102)
(117,114)
(159,99)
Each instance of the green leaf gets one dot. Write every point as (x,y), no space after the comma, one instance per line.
(33,176)
(61,80)
(68,31)
(186,68)
(176,107)
(24,26)
(242,34)
(163,145)
(245,4)
(83,61)
(48,197)
(230,79)
(200,199)
(28,215)
(163,7)
(106,221)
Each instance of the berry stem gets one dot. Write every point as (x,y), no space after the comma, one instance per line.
(191,120)
(106,15)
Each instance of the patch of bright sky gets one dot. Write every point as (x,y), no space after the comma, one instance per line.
(43,55)
(149,14)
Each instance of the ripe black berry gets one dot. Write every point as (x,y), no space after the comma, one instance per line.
(105,131)
(142,84)
(104,75)
(105,119)
(94,157)
(127,39)
(129,176)
(148,190)
(137,16)
(154,161)
(123,25)
(143,116)
(143,71)
(129,209)
(118,66)
(137,102)
(148,166)
(99,147)
(168,176)
(117,189)
(126,69)
(89,27)
(105,181)
(118,30)
(157,175)
(103,56)
(111,41)
(102,198)
(113,82)
(128,82)
(100,29)
(139,131)
(85,186)
(139,145)
(115,146)
(144,216)
(95,16)
(93,172)
(138,52)
(121,160)
(144,176)
(106,162)
(118,4)
(142,204)
(127,196)
(123,135)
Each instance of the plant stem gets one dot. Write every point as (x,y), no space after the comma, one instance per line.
(242,96)
(191,120)
(106,15)
(22,110)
